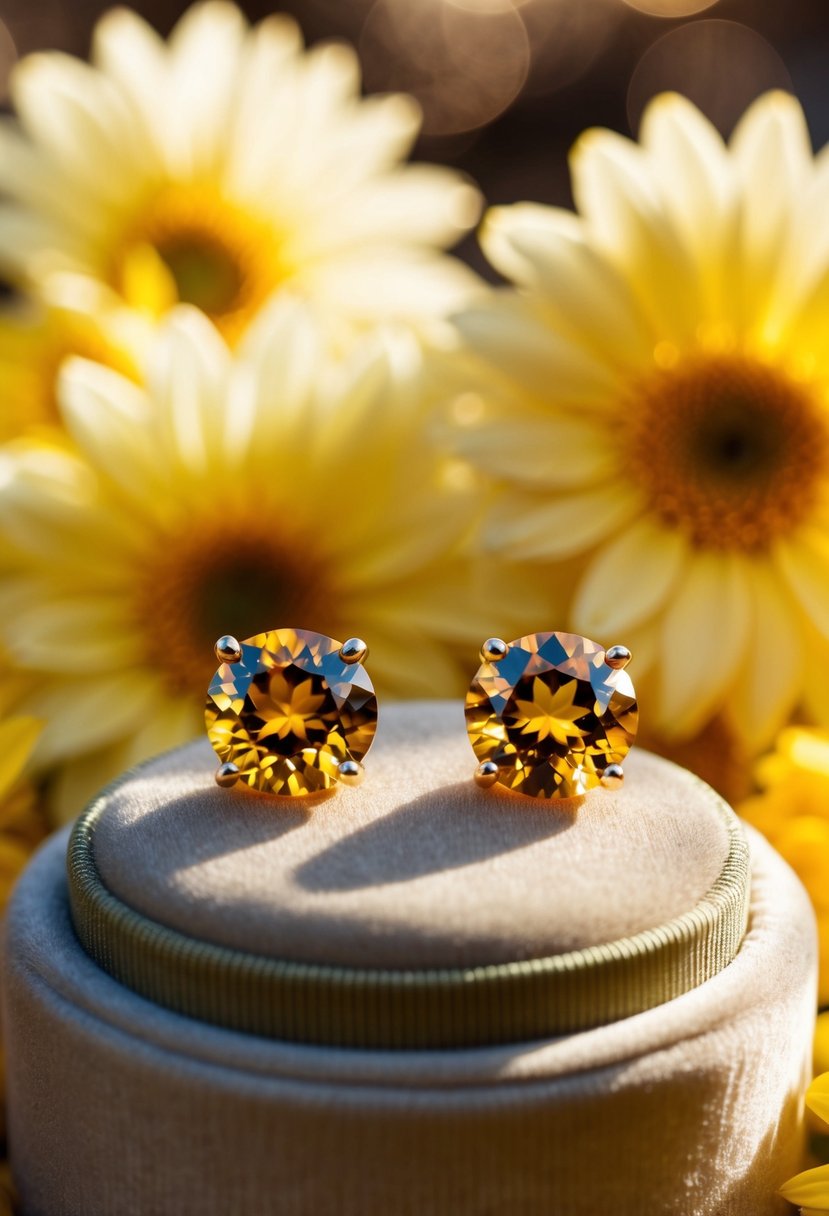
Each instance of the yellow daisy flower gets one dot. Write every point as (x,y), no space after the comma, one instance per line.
(233,494)
(792,812)
(810,1190)
(223,165)
(658,407)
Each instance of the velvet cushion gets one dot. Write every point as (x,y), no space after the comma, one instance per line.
(692,1108)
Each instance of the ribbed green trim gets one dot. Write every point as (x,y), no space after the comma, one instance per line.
(356,1007)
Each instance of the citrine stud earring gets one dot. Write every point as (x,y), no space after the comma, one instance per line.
(290,712)
(551,715)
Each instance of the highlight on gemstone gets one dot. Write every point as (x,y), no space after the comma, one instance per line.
(551,715)
(294,713)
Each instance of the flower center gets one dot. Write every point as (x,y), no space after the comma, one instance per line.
(192,246)
(234,577)
(730,450)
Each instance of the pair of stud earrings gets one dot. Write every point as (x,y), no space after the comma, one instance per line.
(549,715)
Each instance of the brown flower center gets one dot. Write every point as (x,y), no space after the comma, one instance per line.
(231,576)
(729,450)
(190,245)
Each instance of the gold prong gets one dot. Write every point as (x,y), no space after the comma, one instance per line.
(354,650)
(228,649)
(493,650)
(617,657)
(613,777)
(227,774)
(351,772)
(486,774)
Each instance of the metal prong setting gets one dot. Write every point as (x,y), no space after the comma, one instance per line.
(355,650)
(351,772)
(486,774)
(493,650)
(617,657)
(227,775)
(613,777)
(228,649)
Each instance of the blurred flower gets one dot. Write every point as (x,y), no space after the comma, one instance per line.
(221,166)
(792,812)
(35,339)
(810,1190)
(233,494)
(658,412)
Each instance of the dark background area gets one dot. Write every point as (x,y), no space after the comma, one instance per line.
(507,85)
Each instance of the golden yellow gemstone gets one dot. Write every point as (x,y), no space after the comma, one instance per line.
(551,714)
(290,712)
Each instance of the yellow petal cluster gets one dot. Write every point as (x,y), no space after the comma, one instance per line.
(655,409)
(792,811)
(810,1190)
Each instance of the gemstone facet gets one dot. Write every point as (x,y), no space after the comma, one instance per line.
(552,714)
(290,712)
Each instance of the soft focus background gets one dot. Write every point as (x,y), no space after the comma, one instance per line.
(507,85)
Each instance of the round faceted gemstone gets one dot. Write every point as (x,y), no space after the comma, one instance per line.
(290,711)
(551,714)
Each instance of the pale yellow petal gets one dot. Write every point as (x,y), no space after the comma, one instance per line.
(419,204)
(130,52)
(689,163)
(703,636)
(205,55)
(83,121)
(630,580)
(530,528)
(585,295)
(50,510)
(188,377)
(109,418)
(83,634)
(614,191)
(38,184)
(554,451)
(83,715)
(771,152)
(804,563)
(515,339)
(412,283)
(770,685)
(18,737)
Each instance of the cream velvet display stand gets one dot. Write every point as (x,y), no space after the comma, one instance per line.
(326,925)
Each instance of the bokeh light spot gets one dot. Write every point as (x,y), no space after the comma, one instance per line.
(465,65)
(721,66)
(670,8)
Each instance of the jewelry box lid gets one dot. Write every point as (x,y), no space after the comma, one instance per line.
(416,911)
